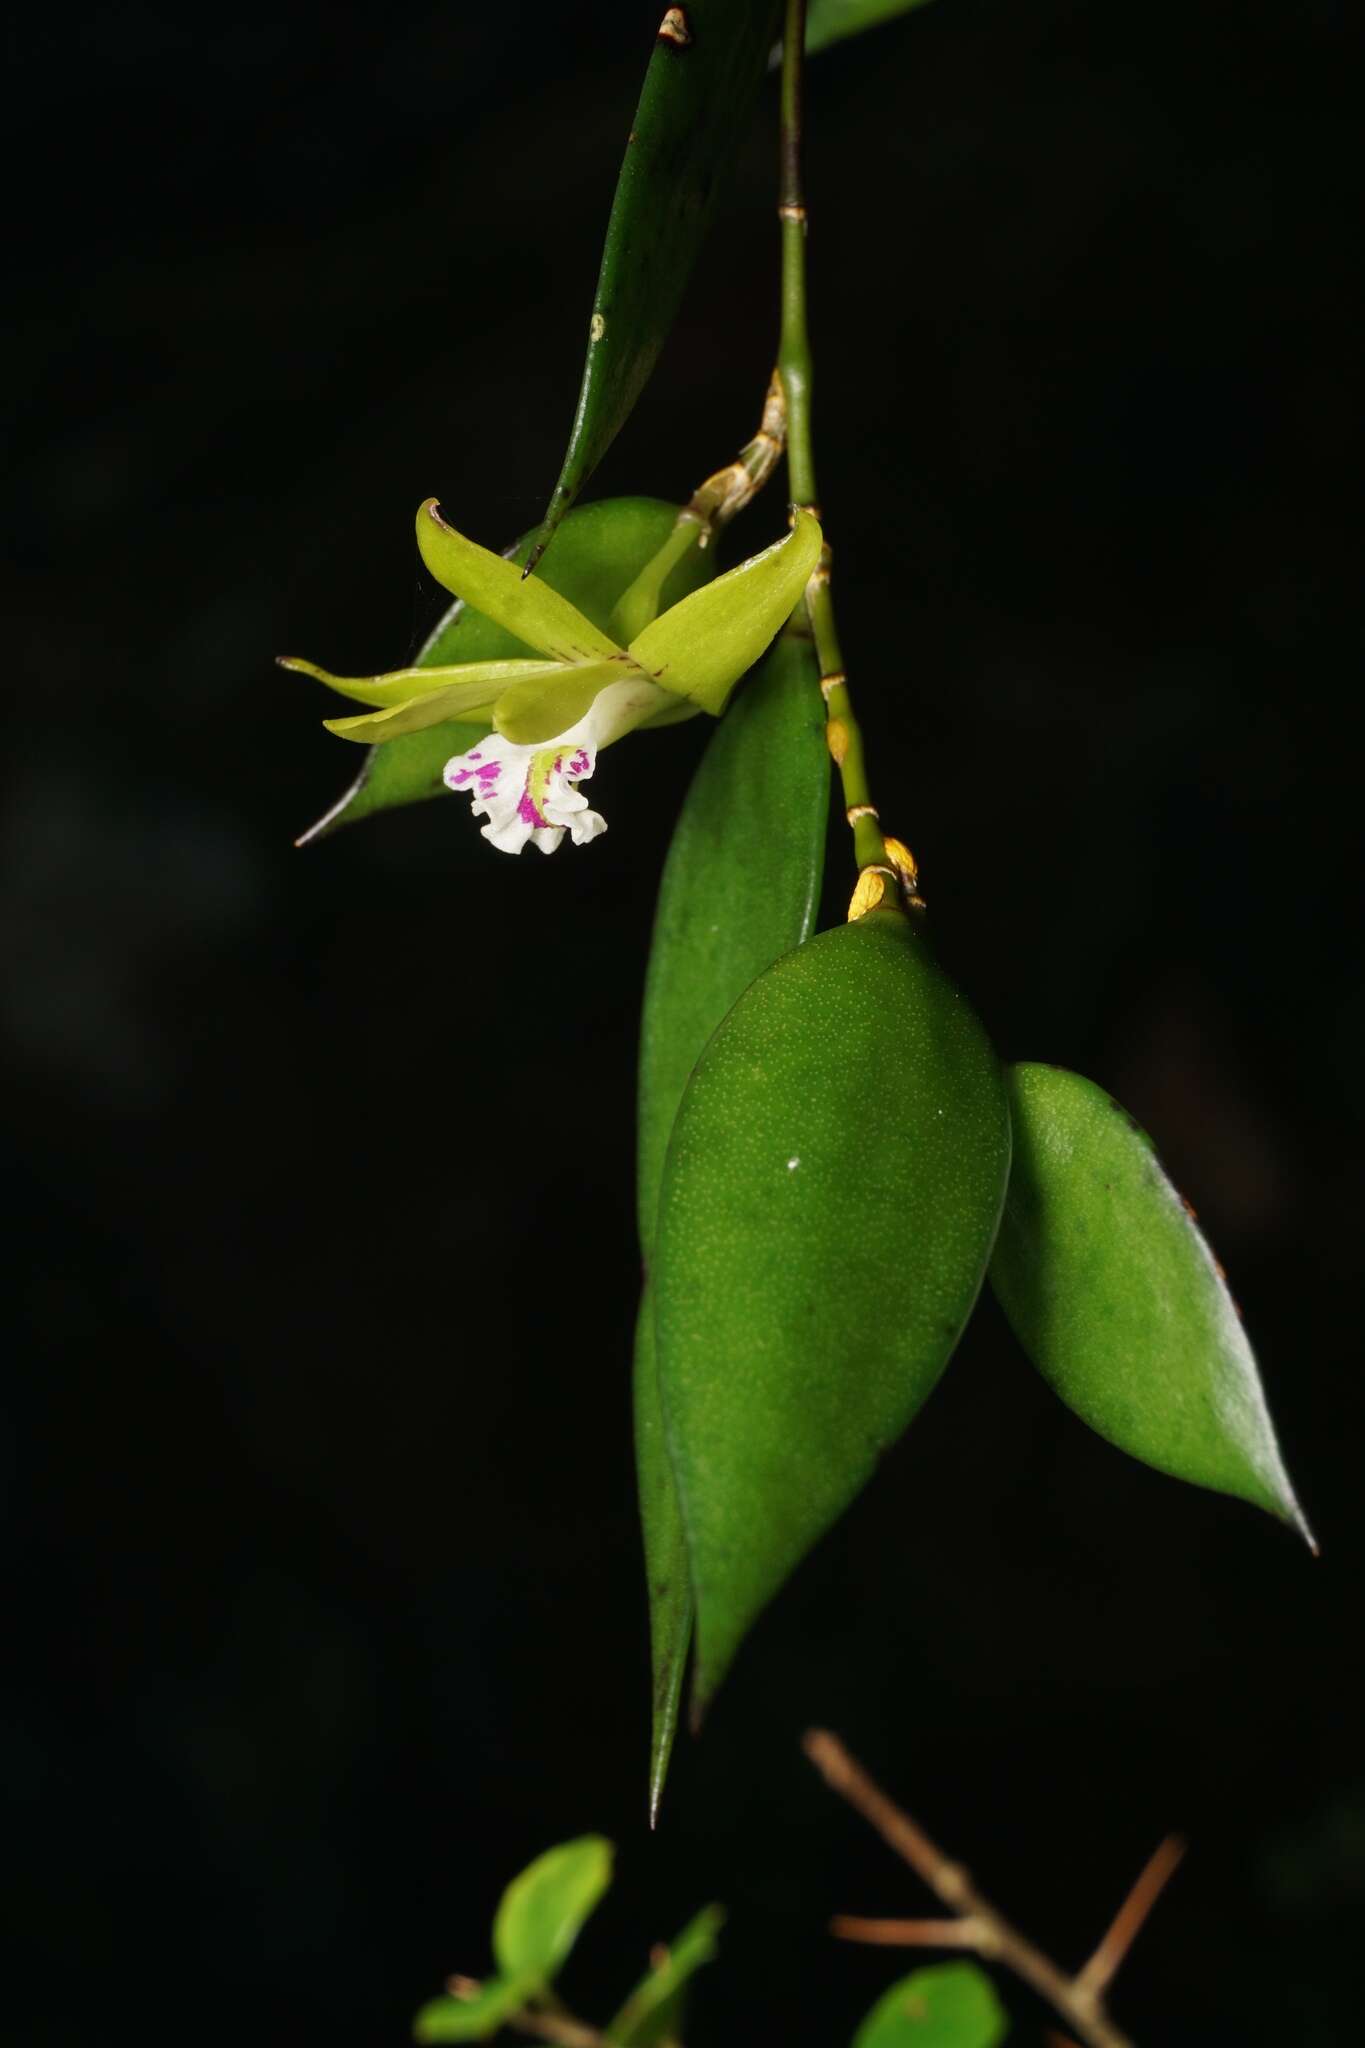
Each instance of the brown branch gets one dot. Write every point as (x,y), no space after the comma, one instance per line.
(910,1933)
(1159,1868)
(1080,2005)
(558,2027)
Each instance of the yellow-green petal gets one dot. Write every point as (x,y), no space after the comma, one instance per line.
(401,685)
(524,605)
(461,701)
(544,707)
(703,645)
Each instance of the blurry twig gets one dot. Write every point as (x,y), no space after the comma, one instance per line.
(542,2021)
(977,1925)
(1115,1944)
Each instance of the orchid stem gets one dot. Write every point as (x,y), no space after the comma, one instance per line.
(794,367)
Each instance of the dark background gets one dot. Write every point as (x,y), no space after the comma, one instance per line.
(328,1608)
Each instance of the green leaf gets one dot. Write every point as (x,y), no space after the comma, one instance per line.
(830,1198)
(829,21)
(470,2019)
(691,121)
(949,2005)
(702,646)
(652,2015)
(1119,1302)
(541,1912)
(601,549)
(522,604)
(667,1577)
(741,886)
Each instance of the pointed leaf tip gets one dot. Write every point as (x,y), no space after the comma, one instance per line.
(1119,1302)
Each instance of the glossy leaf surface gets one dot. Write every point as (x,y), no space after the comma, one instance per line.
(653,2013)
(1118,1300)
(541,1912)
(949,2005)
(740,887)
(475,2018)
(830,1197)
(600,551)
(702,646)
(692,118)
(829,21)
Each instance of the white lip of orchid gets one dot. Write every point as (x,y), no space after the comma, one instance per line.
(531,793)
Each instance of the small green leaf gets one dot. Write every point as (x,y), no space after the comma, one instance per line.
(1119,1302)
(740,887)
(541,1912)
(601,549)
(525,605)
(829,21)
(690,124)
(702,647)
(475,2018)
(949,2005)
(830,1198)
(652,2015)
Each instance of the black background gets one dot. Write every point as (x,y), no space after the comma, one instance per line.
(328,1608)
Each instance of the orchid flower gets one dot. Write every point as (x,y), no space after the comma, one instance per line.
(553,715)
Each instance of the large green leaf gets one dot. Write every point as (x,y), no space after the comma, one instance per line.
(652,2015)
(829,21)
(740,887)
(830,1198)
(1118,1300)
(703,77)
(601,549)
(541,1912)
(949,2005)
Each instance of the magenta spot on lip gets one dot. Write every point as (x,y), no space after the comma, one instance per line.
(528,813)
(559,764)
(490,771)
(579,764)
(473,755)
(464,775)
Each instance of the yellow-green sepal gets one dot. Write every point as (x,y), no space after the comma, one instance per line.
(473,701)
(524,605)
(704,644)
(403,685)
